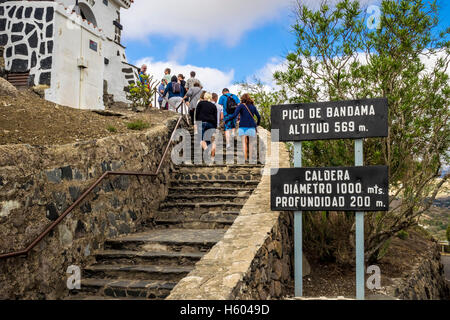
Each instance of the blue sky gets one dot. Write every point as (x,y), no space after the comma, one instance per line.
(223,49)
(251,54)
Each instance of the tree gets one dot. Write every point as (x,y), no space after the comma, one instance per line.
(264,99)
(141,93)
(338,57)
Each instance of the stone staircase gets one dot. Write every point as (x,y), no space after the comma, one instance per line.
(203,201)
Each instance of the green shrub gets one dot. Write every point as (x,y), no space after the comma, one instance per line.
(403,235)
(141,93)
(111,128)
(138,125)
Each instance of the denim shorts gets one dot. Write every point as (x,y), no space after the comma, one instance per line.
(250,132)
(205,127)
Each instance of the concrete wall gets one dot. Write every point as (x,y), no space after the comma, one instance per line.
(54,44)
(38,183)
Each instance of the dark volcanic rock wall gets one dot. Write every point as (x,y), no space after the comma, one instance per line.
(426,281)
(38,183)
(27,35)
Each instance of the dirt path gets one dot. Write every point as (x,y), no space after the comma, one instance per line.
(28,119)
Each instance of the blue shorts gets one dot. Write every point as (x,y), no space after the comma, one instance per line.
(205,127)
(250,132)
(230,125)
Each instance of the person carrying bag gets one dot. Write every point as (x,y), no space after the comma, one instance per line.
(247,124)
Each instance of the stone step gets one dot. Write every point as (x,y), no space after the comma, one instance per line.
(170,240)
(244,191)
(192,166)
(125,288)
(194,216)
(86,297)
(203,207)
(148,257)
(220,169)
(199,198)
(189,223)
(219,177)
(205,183)
(138,272)
(223,154)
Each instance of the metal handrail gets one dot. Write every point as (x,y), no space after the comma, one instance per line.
(85,194)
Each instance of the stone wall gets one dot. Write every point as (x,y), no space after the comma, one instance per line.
(27,34)
(255,258)
(426,281)
(38,183)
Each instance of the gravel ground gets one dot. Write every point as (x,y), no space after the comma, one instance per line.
(28,119)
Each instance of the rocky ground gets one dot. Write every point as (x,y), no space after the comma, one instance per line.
(25,118)
(331,280)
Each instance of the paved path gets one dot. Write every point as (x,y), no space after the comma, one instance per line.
(446,263)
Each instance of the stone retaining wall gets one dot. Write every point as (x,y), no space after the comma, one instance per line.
(426,281)
(255,258)
(38,183)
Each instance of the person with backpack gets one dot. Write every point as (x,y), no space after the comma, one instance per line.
(192,97)
(192,80)
(176,94)
(247,123)
(229,104)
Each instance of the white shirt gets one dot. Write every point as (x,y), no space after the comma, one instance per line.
(219,112)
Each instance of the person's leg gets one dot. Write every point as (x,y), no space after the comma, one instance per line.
(202,135)
(213,147)
(191,113)
(244,146)
(251,140)
(227,137)
(171,104)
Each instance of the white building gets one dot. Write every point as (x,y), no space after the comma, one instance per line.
(71,46)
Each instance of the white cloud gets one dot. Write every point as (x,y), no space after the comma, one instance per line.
(179,51)
(213,80)
(265,74)
(201,20)
(205,20)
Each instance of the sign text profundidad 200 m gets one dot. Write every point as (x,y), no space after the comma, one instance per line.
(338,189)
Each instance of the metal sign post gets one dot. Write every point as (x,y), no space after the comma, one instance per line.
(359,230)
(298,232)
(357,189)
